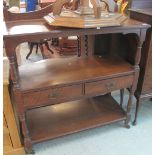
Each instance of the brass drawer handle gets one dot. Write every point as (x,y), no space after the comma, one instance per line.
(53,95)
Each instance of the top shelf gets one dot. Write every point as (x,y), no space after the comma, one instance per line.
(54,72)
(40,27)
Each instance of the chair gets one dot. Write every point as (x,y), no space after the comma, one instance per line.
(40,45)
(12,16)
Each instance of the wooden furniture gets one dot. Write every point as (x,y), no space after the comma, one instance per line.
(83,16)
(11,16)
(11,139)
(39,44)
(71,94)
(143,12)
(69,45)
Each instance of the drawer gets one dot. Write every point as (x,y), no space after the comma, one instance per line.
(52,95)
(108,85)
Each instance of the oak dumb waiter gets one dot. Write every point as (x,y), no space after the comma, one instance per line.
(56,97)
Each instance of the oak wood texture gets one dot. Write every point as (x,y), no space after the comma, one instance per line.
(17,32)
(66,118)
(144,87)
(12,144)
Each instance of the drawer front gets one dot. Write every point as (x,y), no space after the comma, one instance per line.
(52,95)
(108,85)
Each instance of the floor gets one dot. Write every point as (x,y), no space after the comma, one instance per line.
(112,139)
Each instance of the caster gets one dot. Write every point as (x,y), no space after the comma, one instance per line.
(127,126)
(29,152)
(134,123)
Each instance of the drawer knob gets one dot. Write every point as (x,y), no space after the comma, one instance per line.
(53,95)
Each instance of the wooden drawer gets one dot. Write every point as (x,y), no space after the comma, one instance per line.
(108,85)
(52,95)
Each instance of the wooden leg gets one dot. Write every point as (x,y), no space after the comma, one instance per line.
(47,46)
(27,140)
(42,50)
(22,119)
(121,97)
(36,48)
(130,102)
(138,103)
(31,48)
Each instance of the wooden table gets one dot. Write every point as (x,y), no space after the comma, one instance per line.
(62,96)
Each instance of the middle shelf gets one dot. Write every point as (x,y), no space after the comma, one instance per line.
(61,80)
(64,71)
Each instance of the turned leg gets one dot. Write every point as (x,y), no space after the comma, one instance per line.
(47,46)
(22,119)
(36,48)
(140,39)
(137,110)
(42,50)
(128,115)
(121,97)
(27,140)
(31,48)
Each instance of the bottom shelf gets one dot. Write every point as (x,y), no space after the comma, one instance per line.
(57,120)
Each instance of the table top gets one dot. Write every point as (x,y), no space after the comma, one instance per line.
(39,27)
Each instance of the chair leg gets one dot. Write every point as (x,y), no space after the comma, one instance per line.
(31,48)
(42,50)
(47,46)
(36,48)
